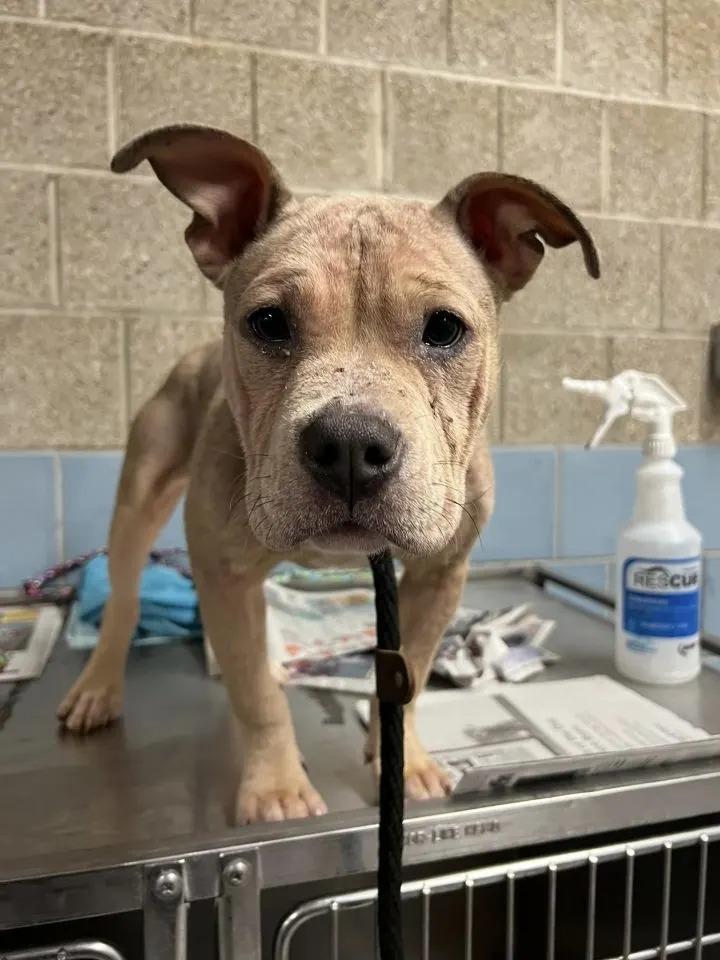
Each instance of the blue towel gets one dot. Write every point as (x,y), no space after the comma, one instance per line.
(168,601)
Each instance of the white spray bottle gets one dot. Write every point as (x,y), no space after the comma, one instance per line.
(659,556)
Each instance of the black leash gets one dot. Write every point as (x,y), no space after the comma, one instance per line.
(394,689)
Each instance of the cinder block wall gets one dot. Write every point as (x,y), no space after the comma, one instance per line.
(613,104)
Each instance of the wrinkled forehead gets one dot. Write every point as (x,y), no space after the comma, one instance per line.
(357,252)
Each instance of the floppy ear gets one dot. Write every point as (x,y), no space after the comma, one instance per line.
(508,220)
(231,187)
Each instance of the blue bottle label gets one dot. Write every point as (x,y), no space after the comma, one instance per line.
(661,598)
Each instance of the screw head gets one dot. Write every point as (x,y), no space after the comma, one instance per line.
(168,885)
(237,873)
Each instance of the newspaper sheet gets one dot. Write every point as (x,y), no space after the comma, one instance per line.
(304,625)
(27,636)
(321,639)
(508,733)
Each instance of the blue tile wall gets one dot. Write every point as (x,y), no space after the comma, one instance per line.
(173,535)
(89,481)
(701,487)
(711,596)
(593,575)
(595,489)
(88,491)
(28,541)
(596,499)
(522,524)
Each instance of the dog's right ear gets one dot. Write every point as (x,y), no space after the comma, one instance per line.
(231,187)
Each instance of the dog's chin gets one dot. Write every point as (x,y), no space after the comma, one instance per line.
(319,522)
(350,537)
(341,535)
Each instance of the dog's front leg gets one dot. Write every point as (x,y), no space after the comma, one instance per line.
(273,785)
(429,595)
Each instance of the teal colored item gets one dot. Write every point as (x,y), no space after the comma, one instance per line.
(168,600)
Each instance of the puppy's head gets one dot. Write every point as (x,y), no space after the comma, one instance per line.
(360,353)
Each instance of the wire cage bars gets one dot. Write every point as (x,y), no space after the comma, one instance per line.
(652,898)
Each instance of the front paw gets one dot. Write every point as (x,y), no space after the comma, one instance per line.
(424,778)
(95,700)
(273,789)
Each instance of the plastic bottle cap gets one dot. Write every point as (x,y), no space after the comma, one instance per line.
(660,446)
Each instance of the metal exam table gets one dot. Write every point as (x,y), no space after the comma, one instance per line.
(121,846)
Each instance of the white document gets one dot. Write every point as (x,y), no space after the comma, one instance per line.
(506,732)
(598,715)
(468,729)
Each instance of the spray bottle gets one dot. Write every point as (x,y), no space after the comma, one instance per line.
(659,553)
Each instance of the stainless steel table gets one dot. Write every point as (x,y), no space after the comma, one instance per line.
(133,823)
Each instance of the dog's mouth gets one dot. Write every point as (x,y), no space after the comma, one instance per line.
(398,519)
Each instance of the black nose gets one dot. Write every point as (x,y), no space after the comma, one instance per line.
(350,453)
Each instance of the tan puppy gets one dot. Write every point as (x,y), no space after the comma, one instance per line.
(343,412)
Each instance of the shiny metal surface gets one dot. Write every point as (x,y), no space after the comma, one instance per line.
(701,895)
(509,875)
(165,912)
(82,819)
(239,908)
(510,915)
(85,950)
(591,900)
(629,888)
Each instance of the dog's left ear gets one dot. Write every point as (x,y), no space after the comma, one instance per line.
(508,220)
(231,187)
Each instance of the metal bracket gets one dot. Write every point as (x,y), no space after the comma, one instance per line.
(165,911)
(239,907)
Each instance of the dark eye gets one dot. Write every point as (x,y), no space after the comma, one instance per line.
(270,325)
(443,329)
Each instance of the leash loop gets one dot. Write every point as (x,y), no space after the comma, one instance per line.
(393,681)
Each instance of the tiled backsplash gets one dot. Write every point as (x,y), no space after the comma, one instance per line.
(564,505)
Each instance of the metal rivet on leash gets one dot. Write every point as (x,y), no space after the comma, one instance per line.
(394,688)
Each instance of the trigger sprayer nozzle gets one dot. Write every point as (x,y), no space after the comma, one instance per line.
(644,396)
